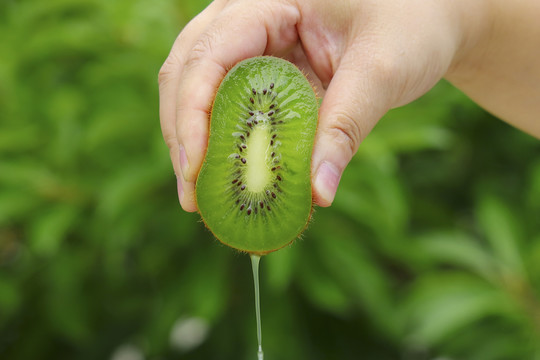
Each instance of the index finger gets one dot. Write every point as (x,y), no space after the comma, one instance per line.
(242,30)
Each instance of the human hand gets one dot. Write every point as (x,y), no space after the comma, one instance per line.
(368,56)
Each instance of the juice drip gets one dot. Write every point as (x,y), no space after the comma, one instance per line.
(255,267)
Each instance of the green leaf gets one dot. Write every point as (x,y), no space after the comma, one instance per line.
(15,205)
(131,184)
(322,289)
(9,297)
(442,304)
(373,197)
(501,230)
(459,249)
(50,229)
(20,138)
(340,252)
(280,267)
(533,195)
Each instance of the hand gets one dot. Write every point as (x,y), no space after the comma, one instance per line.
(367,55)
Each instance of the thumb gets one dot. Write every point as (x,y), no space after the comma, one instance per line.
(357,97)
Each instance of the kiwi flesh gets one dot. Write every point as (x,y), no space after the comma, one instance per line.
(254,187)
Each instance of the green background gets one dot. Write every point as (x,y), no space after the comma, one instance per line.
(430,251)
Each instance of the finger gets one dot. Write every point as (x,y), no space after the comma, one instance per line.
(186,194)
(267,26)
(169,75)
(298,57)
(357,97)
(168,79)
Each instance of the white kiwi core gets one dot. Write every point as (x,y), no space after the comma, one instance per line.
(258,172)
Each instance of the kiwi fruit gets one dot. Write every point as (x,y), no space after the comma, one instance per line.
(254,187)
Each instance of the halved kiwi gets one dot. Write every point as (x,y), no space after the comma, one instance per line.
(254,190)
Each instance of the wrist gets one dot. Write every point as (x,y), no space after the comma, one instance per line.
(475,22)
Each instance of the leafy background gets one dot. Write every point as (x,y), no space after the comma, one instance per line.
(431,250)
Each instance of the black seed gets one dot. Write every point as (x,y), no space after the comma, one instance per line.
(242,207)
(237,156)
(253,91)
(271,85)
(247,133)
(268,207)
(267,192)
(265,91)
(271,142)
(272,106)
(261,204)
(242,137)
(244,147)
(273,123)
(251,100)
(273,169)
(249,211)
(249,123)
(243,160)
(240,183)
(255,210)
(275,185)
(273,154)
(274,195)
(237,201)
(251,113)
(277,110)
(235,181)
(239,148)
(255,122)
(280,122)
(278,177)
(270,113)
(274,136)
(243,187)
(260,112)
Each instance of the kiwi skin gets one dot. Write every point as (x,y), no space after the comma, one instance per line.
(254,188)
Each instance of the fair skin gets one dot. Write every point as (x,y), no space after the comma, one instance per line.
(365,56)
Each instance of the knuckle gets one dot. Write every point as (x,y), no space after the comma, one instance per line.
(174,61)
(168,69)
(346,131)
(202,49)
(171,142)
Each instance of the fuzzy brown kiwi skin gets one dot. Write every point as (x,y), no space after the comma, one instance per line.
(312,209)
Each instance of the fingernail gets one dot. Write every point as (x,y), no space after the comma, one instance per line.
(327,181)
(184,165)
(180,190)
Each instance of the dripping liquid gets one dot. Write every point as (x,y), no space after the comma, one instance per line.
(255,267)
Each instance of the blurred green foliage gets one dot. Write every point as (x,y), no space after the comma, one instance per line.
(431,250)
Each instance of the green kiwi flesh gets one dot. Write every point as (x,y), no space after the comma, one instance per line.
(254,190)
